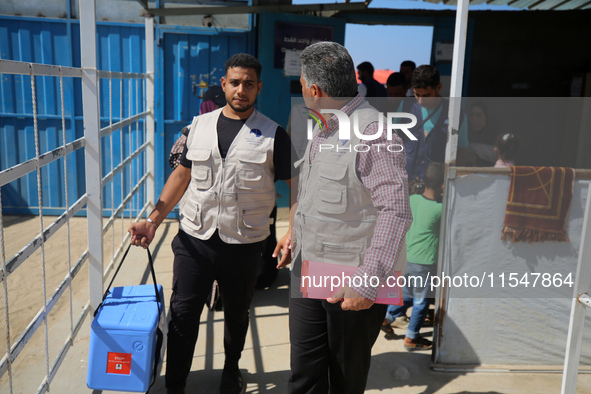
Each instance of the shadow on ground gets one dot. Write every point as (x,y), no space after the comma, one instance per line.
(397,369)
(276,295)
(207,381)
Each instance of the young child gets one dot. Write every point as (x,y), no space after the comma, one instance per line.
(422,243)
(506,148)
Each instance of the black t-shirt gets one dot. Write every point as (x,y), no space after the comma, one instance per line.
(284,154)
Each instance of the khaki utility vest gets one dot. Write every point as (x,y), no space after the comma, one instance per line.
(335,218)
(234,195)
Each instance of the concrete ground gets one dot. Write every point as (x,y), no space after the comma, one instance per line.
(265,361)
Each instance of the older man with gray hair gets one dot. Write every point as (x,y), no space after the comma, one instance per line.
(352,210)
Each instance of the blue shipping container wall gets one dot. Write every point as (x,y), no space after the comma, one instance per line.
(120,48)
(184,57)
(40,42)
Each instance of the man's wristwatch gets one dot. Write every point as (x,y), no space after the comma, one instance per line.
(150,220)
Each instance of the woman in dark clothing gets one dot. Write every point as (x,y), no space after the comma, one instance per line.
(481,137)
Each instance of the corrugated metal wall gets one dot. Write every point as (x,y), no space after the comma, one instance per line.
(185,56)
(120,48)
(45,42)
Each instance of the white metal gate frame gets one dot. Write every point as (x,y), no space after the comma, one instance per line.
(579,303)
(95,182)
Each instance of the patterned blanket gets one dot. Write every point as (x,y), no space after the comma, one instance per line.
(538,204)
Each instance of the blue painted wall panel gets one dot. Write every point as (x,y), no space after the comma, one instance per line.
(120,48)
(18,145)
(189,55)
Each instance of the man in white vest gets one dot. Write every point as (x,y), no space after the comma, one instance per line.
(352,210)
(226,179)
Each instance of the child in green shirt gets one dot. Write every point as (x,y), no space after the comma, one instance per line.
(422,243)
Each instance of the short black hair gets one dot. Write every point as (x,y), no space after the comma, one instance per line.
(366,66)
(408,63)
(425,76)
(434,174)
(244,60)
(396,79)
(508,146)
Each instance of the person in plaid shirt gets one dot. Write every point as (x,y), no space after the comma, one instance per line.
(352,209)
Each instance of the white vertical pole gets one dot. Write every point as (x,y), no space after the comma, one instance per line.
(90,99)
(451,149)
(150,160)
(577,312)
(457,75)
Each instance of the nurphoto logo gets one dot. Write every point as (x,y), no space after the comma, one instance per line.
(394,121)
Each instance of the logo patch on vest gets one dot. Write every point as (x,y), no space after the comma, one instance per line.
(254,138)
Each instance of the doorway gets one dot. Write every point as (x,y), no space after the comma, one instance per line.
(386,46)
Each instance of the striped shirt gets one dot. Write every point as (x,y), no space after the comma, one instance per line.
(383,173)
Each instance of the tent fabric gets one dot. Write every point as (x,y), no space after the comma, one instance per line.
(504,325)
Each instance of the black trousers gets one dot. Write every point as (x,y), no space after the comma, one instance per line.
(197,264)
(331,348)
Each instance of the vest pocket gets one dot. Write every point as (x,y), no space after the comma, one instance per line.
(332,191)
(201,172)
(250,170)
(191,210)
(340,253)
(249,178)
(332,200)
(253,221)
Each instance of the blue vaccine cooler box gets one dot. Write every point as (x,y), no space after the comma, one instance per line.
(123,340)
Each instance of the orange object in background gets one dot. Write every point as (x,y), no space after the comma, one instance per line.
(379,75)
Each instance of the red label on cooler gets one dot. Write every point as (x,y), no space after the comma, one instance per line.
(119,363)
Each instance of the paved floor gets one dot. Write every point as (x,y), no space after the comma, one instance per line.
(265,361)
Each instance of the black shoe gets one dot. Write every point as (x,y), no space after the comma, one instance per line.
(232,381)
(419,343)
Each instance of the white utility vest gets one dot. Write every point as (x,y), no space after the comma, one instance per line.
(335,218)
(234,195)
